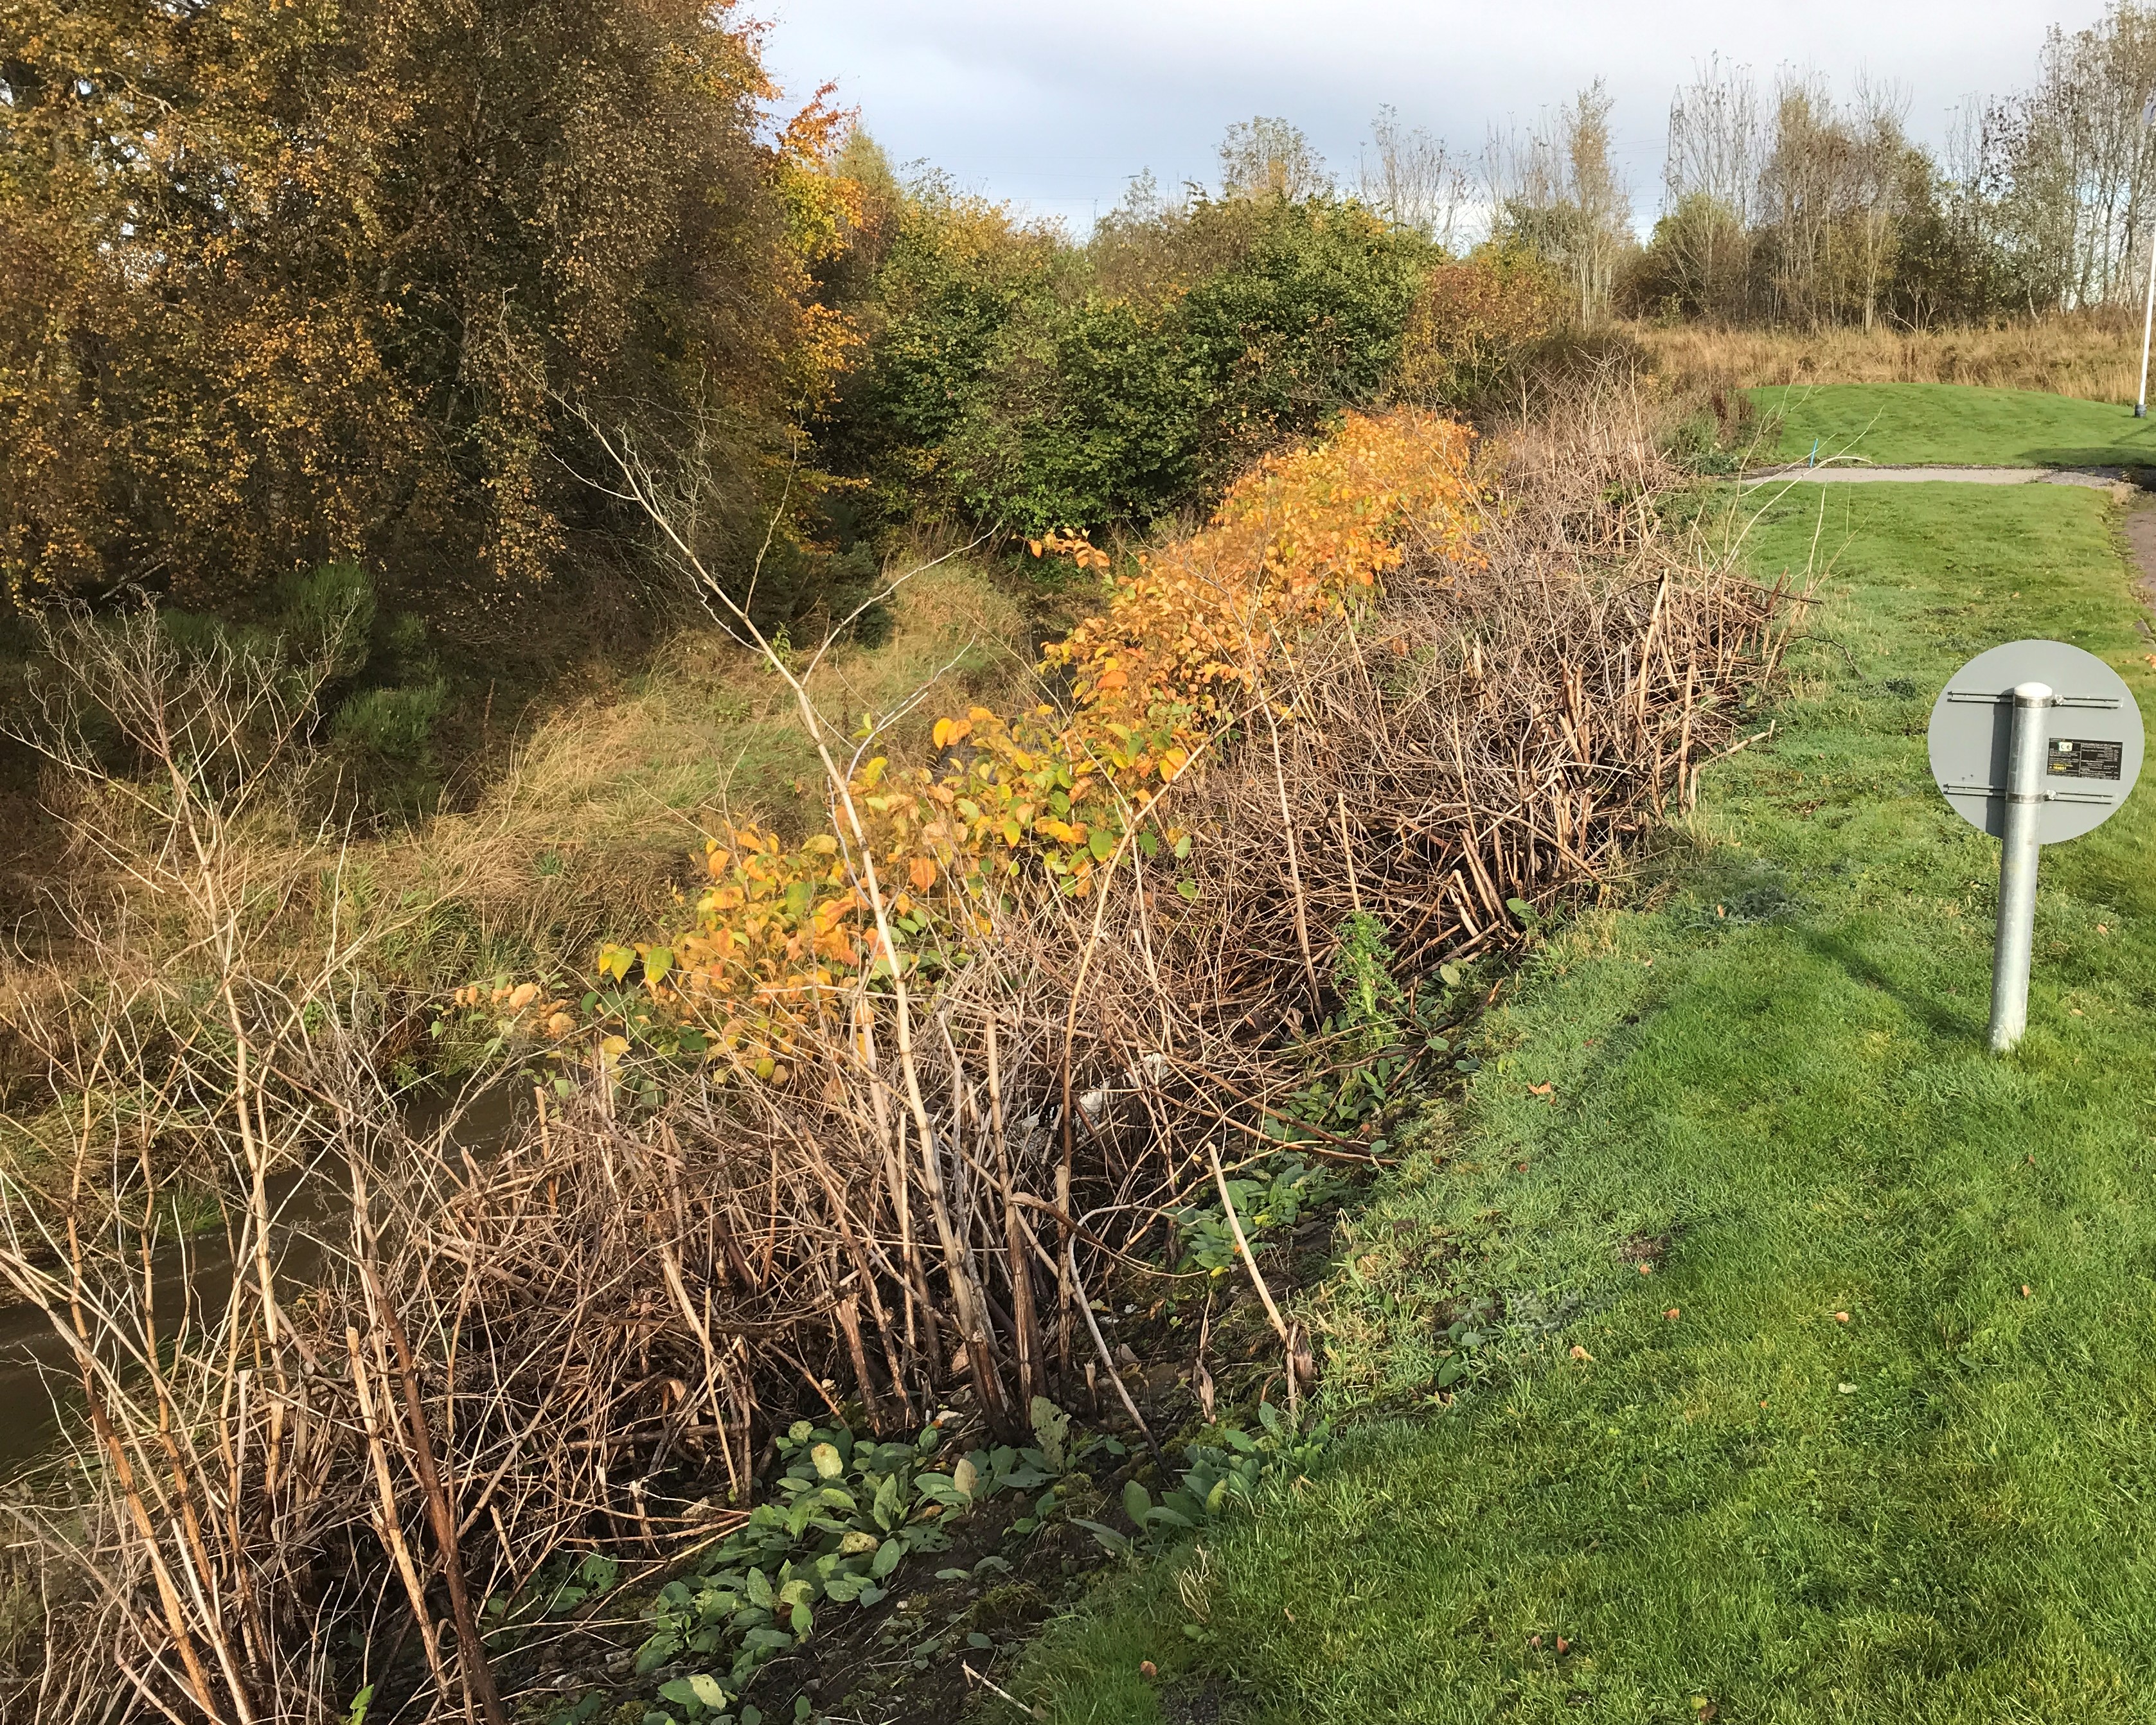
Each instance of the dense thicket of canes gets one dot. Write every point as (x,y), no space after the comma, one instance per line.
(285,1487)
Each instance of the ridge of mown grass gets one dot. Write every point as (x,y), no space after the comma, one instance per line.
(1768,1087)
(1928,424)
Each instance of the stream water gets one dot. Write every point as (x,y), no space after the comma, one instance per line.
(39,1391)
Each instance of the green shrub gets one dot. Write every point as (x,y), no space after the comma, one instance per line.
(1018,384)
(393,725)
(328,614)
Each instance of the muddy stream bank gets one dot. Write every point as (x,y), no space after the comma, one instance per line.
(40,1394)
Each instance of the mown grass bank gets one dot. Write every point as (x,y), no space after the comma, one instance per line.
(1934,424)
(1768,1087)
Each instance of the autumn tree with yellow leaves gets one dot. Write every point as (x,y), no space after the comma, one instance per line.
(293,280)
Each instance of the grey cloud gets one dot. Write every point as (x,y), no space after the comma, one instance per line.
(1058,105)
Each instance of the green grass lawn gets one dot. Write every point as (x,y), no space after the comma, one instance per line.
(1770,1087)
(1927,424)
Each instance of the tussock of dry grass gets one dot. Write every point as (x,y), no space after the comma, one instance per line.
(2096,355)
(586,833)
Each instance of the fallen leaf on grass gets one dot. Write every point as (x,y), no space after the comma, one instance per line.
(1580,1353)
(1541,1089)
(1846,1389)
(1564,1645)
(1671,1314)
(1646,1269)
(2025,1290)
(1841,1317)
(1147,1669)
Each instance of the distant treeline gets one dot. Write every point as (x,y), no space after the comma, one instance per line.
(1788,206)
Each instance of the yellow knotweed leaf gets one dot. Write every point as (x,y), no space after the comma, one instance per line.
(1183,634)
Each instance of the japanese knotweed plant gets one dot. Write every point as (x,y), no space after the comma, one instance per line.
(1046,799)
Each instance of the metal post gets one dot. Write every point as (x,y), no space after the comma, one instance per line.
(2017,864)
(2148,316)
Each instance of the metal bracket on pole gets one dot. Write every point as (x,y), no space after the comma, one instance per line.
(2017,864)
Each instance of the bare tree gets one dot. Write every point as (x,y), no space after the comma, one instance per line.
(1802,191)
(2072,166)
(1878,166)
(1410,176)
(1714,140)
(1605,207)
(1266,157)
(1710,188)
(1557,192)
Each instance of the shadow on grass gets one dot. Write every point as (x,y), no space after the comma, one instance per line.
(1942,1020)
(2137,457)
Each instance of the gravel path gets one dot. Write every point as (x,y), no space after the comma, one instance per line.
(2099,477)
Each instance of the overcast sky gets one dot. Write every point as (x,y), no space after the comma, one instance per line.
(1056,105)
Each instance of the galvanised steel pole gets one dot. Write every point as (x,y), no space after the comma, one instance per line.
(2017,864)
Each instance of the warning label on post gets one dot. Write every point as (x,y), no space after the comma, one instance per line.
(2082,759)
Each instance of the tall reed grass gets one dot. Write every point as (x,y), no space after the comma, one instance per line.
(2095,355)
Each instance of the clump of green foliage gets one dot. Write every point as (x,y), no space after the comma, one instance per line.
(846,1513)
(1229,1472)
(1012,379)
(1371,1061)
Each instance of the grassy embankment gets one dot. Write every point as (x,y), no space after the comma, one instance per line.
(1769,1089)
(705,733)
(1935,424)
(606,805)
